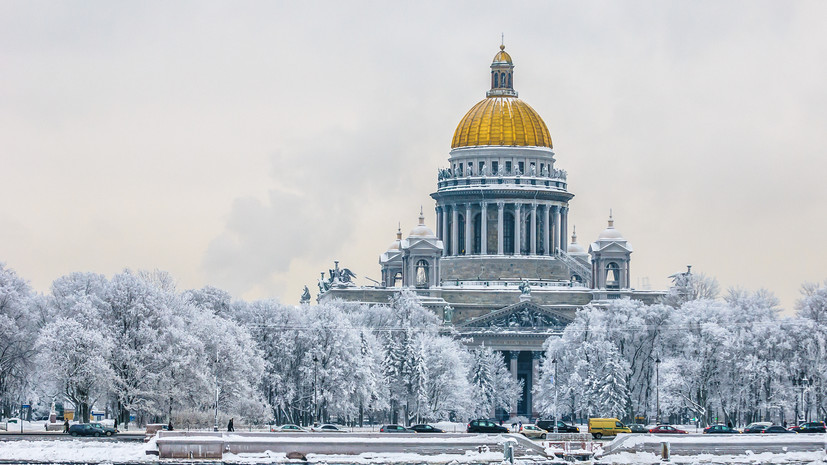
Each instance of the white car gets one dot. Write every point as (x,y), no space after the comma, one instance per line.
(327,429)
(287,429)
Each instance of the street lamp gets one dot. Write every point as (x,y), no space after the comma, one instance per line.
(215,419)
(554,361)
(657,390)
(315,366)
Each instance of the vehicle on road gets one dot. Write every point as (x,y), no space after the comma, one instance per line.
(107,430)
(426,429)
(395,429)
(86,429)
(327,428)
(811,427)
(667,429)
(599,427)
(775,429)
(720,429)
(533,432)
(757,427)
(287,429)
(638,428)
(485,426)
(562,427)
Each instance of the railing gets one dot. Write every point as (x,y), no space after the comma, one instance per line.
(578,268)
(511,284)
(494,181)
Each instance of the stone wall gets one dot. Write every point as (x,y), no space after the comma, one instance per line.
(497,268)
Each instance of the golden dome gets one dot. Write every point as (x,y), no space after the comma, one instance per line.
(503,121)
(502,56)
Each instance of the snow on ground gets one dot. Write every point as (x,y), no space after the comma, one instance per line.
(631,440)
(646,458)
(76,451)
(372,458)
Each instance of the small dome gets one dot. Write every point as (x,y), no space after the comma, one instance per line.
(397,244)
(502,56)
(421,230)
(610,232)
(574,248)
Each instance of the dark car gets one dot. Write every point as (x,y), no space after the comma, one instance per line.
(720,429)
(776,429)
(485,426)
(87,429)
(638,428)
(395,429)
(548,425)
(667,429)
(426,429)
(811,427)
(757,427)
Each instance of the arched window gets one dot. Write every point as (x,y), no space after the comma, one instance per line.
(496,80)
(509,81)
(612,276)
(397,279)
(461,234)
(422,273)
(477,233)
(508,233)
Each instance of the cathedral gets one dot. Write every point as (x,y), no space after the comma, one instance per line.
(498,266)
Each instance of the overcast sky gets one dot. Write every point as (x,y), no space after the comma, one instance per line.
(246,145)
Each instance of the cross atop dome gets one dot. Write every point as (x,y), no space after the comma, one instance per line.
(502,75)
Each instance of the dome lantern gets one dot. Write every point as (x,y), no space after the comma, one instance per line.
(502,75)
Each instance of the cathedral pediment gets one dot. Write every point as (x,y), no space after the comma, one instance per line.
(522,316)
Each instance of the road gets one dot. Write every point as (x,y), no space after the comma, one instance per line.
(719,444)
(60,436)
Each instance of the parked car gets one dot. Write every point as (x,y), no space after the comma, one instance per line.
(86,429)
(107,430)
(395,429)
(327,429)
(599,427)
(720,429)
(775,429)
(638,428)
(287,429)
(426,429)
(533,431)
(811,427)
(757,427)
(667,429)
(485,426)
(562,427)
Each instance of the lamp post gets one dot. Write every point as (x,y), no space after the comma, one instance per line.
(657,390)
(554,361)
(315,367)
(215,419)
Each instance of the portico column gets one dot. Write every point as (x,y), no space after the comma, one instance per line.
(500,207)
(536,356)
(514,356)
(517,232)
(438,211)
(454,230)
(556,210)
(469,249)
(533,238)
(564,228)
(484,228)
(445,245)
(546,230)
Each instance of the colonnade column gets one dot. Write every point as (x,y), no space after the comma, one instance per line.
(484,228)
(454,230)
(533,235)
(556,210)
(500,207)
(468,239)
(445,245)
(438,211)
(517,232)
(546,235)
(514,355)
(536,356)
(564,228)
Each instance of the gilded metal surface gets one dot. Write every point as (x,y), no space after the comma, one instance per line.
(502,121)
(502,57)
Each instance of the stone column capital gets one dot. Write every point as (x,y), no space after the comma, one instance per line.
(500,204)
(537,355)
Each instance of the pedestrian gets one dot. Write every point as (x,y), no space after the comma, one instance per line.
(230,425)
(66,425)
(116,423)
(785,424)
(729,423)
(169,426)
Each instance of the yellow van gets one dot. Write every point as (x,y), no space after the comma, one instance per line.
(599,427)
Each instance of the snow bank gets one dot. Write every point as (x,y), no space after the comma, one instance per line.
(645,458)
(75,451)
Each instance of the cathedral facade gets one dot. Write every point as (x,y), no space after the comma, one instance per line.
(498,267)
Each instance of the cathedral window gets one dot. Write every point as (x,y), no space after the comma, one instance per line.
(521,166)
(477,233)
(422,273)
(509,81)
(612,276)
(460,169)
(495,166)
(397,279)
(508,233)
(480,167)
(508,167)
(461,234)
(496,80)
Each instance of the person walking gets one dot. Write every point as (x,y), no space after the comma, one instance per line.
(66,426)
(230,425)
